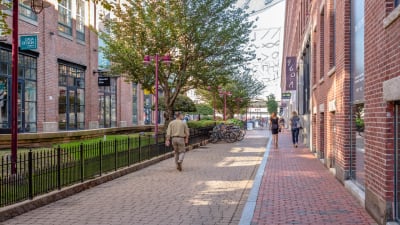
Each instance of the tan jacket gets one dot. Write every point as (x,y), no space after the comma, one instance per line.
(177,128)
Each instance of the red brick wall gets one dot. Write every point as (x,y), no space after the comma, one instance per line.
(382,62)
(51,47)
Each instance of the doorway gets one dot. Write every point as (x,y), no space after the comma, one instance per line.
(68,108)
(397,161)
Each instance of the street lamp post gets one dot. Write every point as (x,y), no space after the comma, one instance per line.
(224,93)
(37,6)
(147,60)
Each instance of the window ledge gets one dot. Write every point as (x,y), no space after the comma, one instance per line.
(332,71)
(321,80)
(394,15)
(69,37)
(80,42)
(30,21)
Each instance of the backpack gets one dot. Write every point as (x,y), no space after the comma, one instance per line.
(297,123)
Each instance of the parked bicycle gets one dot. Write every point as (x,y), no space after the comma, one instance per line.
(228,133)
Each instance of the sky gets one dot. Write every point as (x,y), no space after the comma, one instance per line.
(267,41)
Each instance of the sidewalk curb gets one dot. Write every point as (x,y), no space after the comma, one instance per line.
(248,210)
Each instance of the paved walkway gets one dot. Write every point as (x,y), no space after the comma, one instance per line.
(212,189)
(297,189)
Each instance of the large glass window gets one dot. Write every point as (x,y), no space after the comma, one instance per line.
(357,93)
(332,43)
(64,17)
(134,104)
(321,45)
(80,20)
(71,100)
(27,96)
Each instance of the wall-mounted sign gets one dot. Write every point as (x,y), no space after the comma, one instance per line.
(103,81)
(291,80)
(286,95)
(28,42)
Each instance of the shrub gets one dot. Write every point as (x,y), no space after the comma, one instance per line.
(200,123)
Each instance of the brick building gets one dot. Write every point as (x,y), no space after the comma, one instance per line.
(58,81)
(345,59)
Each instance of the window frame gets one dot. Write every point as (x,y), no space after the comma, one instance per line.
(80,20)
(65,28)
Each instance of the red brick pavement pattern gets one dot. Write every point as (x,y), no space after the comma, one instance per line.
(297,189)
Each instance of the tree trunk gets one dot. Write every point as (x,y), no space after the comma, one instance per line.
(168,114)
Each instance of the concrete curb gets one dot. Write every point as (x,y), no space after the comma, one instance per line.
(248,210)
(11,211)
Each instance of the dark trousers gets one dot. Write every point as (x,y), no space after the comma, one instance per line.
(295,135)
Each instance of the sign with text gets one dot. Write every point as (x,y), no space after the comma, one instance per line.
(291,80)
(103,81)
(286,95)
(28,42)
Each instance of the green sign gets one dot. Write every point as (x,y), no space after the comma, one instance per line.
(286,95)
(28,42)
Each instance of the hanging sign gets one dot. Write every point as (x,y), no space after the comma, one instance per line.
(291,81)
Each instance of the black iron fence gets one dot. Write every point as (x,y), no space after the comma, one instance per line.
(48,170)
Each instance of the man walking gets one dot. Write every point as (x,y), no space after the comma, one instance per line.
(179,132)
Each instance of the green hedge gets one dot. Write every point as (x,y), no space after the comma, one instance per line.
(200,123)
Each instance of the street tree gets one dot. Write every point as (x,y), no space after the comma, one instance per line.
(204,109)
(272,104)
(206,40)
(243,87)
(182,103)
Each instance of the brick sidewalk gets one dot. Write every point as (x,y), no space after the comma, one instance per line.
(297,189)
(212,189)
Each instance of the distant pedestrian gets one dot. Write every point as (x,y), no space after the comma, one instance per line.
(179,132)
(274,126)
(295,124)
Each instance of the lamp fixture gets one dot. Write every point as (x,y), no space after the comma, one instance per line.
(37,6)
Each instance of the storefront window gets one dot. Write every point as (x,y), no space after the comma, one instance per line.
(27,96)
(357,156)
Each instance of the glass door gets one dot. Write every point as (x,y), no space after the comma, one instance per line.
(72,116)
(105,111)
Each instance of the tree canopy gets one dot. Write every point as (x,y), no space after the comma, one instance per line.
(204,109)
(242,87)
(206,40)
(272,104)
(182,103)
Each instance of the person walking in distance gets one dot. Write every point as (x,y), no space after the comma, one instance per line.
(295,124)
(178,131)
(274,126)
